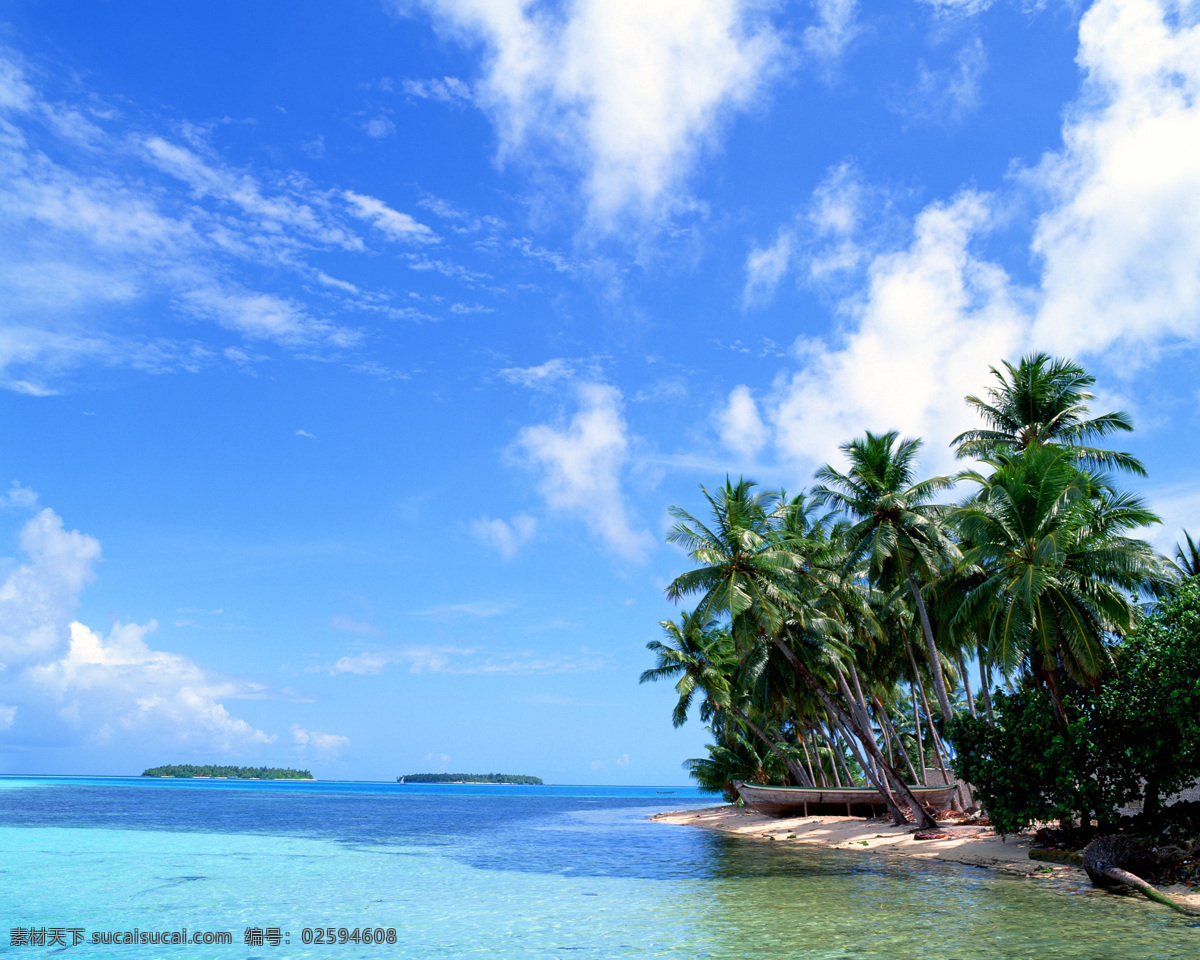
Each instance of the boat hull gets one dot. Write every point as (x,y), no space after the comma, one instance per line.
(806,801)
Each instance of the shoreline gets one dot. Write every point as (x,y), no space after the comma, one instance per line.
(976,846)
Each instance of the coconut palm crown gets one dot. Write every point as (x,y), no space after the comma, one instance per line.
(1187,559)
(1044,400)
(1058,569)
(896,528)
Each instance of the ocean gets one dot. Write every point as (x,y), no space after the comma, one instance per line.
(379,870)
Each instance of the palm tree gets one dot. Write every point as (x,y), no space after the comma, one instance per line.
(1187,560)
(1045,401)
(896,528)
(701,655)
(743,563)
(752,568)
(1057,567)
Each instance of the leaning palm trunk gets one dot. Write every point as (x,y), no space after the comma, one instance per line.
(881,712)
(936,741)
(868,769)
(840,742)
(935,662)
(793,768)
(820,762)
(962,668)
(858,707)
(917,730)
(919,812)
(833,765)
(812,776)
(985,681)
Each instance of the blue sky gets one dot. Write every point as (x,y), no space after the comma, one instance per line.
(351,355)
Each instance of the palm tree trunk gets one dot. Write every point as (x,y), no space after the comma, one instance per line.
(985,681)
(807,758)
(820,763)
(919,812)
(917,728)
(887,737)
(934,740)
(935,662)
(840,756)
(859,707)
(962,668)
(872,774)
(881,710)
(837,780)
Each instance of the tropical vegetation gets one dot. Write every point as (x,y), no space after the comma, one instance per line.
(837,636)
(508,778)
(227,772)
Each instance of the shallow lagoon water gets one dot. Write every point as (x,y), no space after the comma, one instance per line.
(553,872)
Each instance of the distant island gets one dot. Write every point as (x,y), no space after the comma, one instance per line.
(229,773)
(470,778)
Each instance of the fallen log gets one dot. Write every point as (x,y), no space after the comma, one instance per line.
(1113,860)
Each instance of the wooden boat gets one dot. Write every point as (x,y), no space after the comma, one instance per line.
(850,802)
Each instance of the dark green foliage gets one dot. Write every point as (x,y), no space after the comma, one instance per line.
(1026,768)
(1138,736)
(232,773)
(1151,707)
(514,778)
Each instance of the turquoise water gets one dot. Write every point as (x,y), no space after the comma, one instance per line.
(505,872)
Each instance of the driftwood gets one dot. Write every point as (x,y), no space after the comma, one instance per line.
(1113,860)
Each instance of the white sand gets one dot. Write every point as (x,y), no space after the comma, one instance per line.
(977,846)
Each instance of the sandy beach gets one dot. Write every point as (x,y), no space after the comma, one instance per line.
(978,846)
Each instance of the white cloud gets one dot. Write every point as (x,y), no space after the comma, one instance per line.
(957,8)
(1120,257)
(15,93)
(264,316)
(451,659)
(1120,245)
(949,94)
(581,468)
(624,92)
(932,319)
(96,688)
(272,210)
(542,376)
(740,425)
(152,218)
(834,31)
(505,537)
(117,687)
(38,598)
(328,743)
(765,267)
(377,128)
(362,664)
(20,497)
(1179,507)
(305,433)
(393,223)
(445,89)
(824,237)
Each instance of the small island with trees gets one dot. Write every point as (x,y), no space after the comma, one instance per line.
(503,778)
(213,772)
